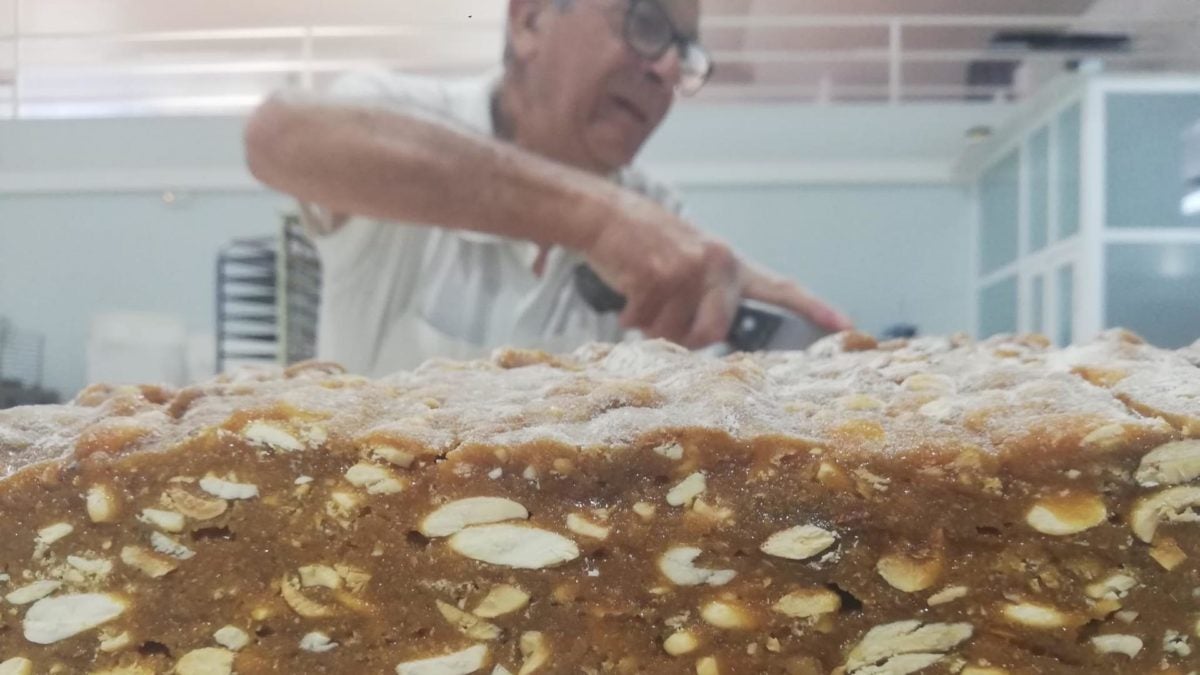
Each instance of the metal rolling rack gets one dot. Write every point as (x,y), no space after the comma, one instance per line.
(268,292)
(22,356)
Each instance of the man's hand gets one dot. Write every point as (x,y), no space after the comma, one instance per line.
(683,285)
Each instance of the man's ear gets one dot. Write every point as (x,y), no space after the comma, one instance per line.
(524,17)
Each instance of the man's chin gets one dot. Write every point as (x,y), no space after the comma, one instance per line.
(614,151)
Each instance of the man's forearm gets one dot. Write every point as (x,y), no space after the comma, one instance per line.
(397,166)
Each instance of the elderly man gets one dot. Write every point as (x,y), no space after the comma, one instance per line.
(450,215)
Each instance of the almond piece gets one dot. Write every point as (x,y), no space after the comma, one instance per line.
(1062,515)
(1177,505)
(232,638)
(468,624)
(300,603)
(681,642)
(55,619)
(516,546)
(462,513)
(1117,644)
(909,574)
(677,565)
(462,662)
(167,521)
(686,491)
(101,504)
(808,602)
(1170,464)
(501,600)
(799,543)
(728,615)
(192,506)
(586,528)
(376,479)
(18,665)
(905,647)
(153,565)
(206,661)
(224,489)
(1038,615)
(33,592)
(271,435)
(536,651)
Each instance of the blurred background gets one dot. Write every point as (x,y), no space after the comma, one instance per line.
(935,166)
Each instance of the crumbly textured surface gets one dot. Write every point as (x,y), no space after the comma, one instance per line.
(934,505)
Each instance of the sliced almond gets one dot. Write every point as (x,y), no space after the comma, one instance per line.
(376,479)
(808,602)
(462,513)
(707,666)
(681,642)
(728,615)
(192,506)
(320,575)
(909,574)
(1117,644)
(393,455)
(302,604)
(206,661)
(586,528)
(799,543)
(52,620)
(356,579)
(317,643)
(644,510)
(462,662)
(1114,587)
(1062,515)
(224,489)
(33,592)
(1170,464)
(153,565)
(93,567)
(101,504)
(167,521)
(468,624)
(905,647)
(1037,615)
(1175,505)
(516,546)
(165,545)
(18,665)
(53,533)
(271,435)
(232,637)
(536,651)
(948,594)
(501,600)
(677,564)
(1167,554)
(686,491)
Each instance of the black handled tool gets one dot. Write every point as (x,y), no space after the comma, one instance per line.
(756,326)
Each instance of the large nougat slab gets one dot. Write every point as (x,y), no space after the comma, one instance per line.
(935,506)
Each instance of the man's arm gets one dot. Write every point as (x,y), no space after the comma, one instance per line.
(402,166)
(393,165)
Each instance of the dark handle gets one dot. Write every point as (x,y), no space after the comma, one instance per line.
(751,330)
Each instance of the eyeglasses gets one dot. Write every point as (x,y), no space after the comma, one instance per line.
(649,32)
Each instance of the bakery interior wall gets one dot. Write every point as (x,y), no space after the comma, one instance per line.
(128,214)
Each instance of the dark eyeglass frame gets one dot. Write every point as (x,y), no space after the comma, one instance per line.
(693,79)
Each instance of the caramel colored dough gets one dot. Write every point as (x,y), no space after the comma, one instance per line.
(933,505)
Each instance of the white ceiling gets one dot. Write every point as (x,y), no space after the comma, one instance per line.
(88,56)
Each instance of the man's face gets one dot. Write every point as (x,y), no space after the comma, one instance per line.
(596,100)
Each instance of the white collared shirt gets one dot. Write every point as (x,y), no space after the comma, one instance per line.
(396,294)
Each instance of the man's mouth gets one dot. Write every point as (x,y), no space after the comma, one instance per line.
(629,107)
